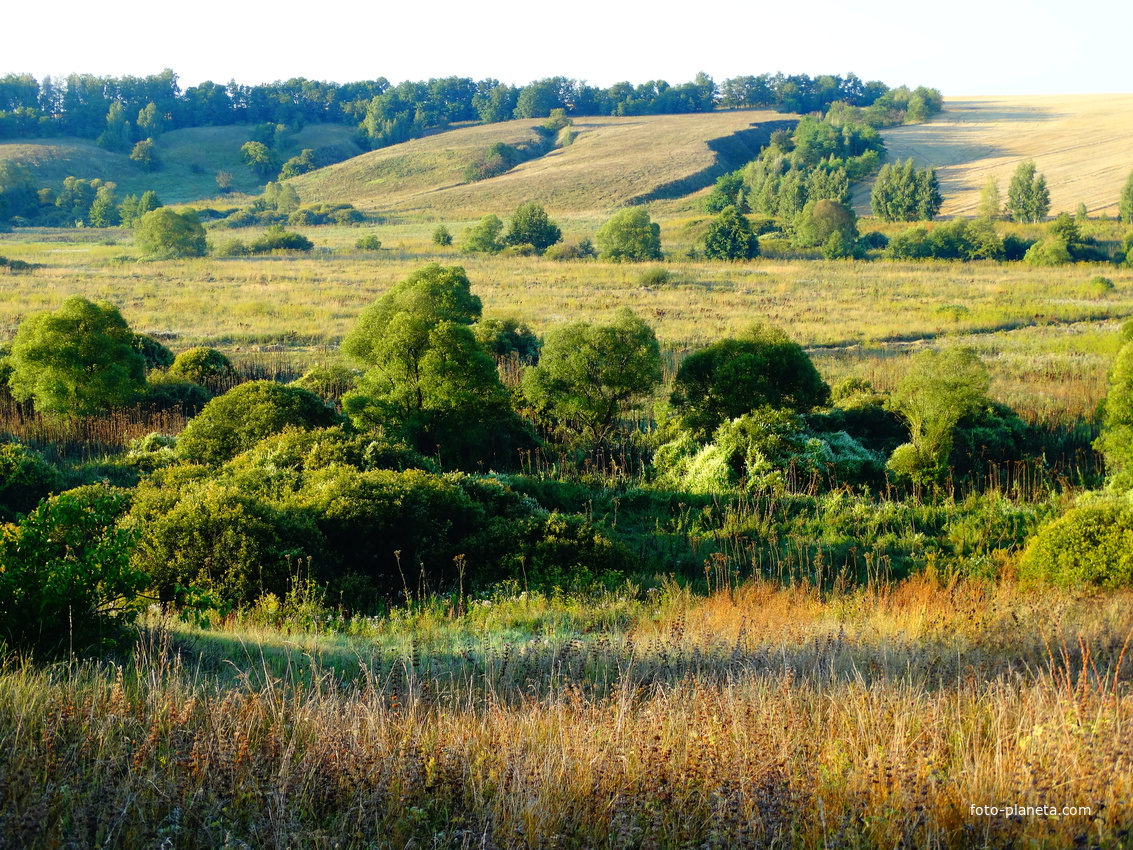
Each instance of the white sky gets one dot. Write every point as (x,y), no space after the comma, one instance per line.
(965,47)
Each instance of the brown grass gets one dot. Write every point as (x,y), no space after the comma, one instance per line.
(1080,142)
(761,718)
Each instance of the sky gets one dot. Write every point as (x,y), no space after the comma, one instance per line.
(965,47)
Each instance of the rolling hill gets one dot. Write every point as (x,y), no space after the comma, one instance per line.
(612,162)
(1083,144)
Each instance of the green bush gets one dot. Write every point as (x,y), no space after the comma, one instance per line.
(166,392)
(278,239)
(1089,546)
(369,242)
(330,383)
(204,366)
(237,420)
(25,479)
(66,582)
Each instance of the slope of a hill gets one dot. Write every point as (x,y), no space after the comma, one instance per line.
(190,160)
(1082,143)
(612,162)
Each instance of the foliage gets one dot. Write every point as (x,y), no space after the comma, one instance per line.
(820,220)
(630,235)
(369,242)
(1125,202)
(757,450)
(260,158)
(427,377)
(1049,251)
(903,192)
(1116,440)
(508,337)
(300,164)
(275,238)
(1028,198)
(163,234)
(330,383)
(730,237)
(991,204)
(65,578)
(1091,546)
(205,366)
(441,236)
(244,415)
(529,225)
(959,239)
(77,360)
(938,390)
(25,479)
(761,368)
(484,236)
(145,155)
(155,353)
(589,374)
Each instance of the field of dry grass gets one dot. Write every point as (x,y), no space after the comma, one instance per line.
(761,717)
(1080,142)
(612,162)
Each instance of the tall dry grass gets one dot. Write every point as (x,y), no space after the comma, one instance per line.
(757,718)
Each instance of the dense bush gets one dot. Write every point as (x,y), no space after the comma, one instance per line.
(65,578)
(205,366)
(1090,546)
(25,479)
(237,420)
(278,239)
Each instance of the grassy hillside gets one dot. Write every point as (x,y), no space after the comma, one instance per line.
(190,160)
(1080,142)
(612,162)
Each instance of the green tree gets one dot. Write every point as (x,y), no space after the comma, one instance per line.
(940,388)
(730,237)
(630,235)
(991,205)
(205,366)
(820,220)
(588,374)
(1125,205)
(903,192)
(762,367)
(530,225)
(441,236)
(484,236)
(163,234)
(426,375)
(260,158)
(76,361)
(1116,440)
(104,211)
(145,155)
(300,164)
(1027,197)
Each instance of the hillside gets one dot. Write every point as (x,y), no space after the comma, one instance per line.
(612,162)
(190,159)
(1081,143)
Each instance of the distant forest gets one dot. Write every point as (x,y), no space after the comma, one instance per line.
(121,111)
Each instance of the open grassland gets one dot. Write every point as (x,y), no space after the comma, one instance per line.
(612,162)
(1046,336)
(1080,142)
(756,717)
(190,160)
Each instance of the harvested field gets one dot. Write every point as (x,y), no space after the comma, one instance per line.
(1082,143)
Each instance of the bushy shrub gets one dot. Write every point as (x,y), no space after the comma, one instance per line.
(205,366)
(1050,251)
(154,353)
(237,420)
(369,242)
(166,392)
(1090,546)
(25,479)
(278,239)
(66,582)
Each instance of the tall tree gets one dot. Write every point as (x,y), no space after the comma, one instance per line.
(1027,197)
(529,225)
(991,204)
(730,237)
(588,374)
(903,192)
(630,235)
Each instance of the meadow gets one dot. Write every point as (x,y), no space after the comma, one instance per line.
(817,664)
